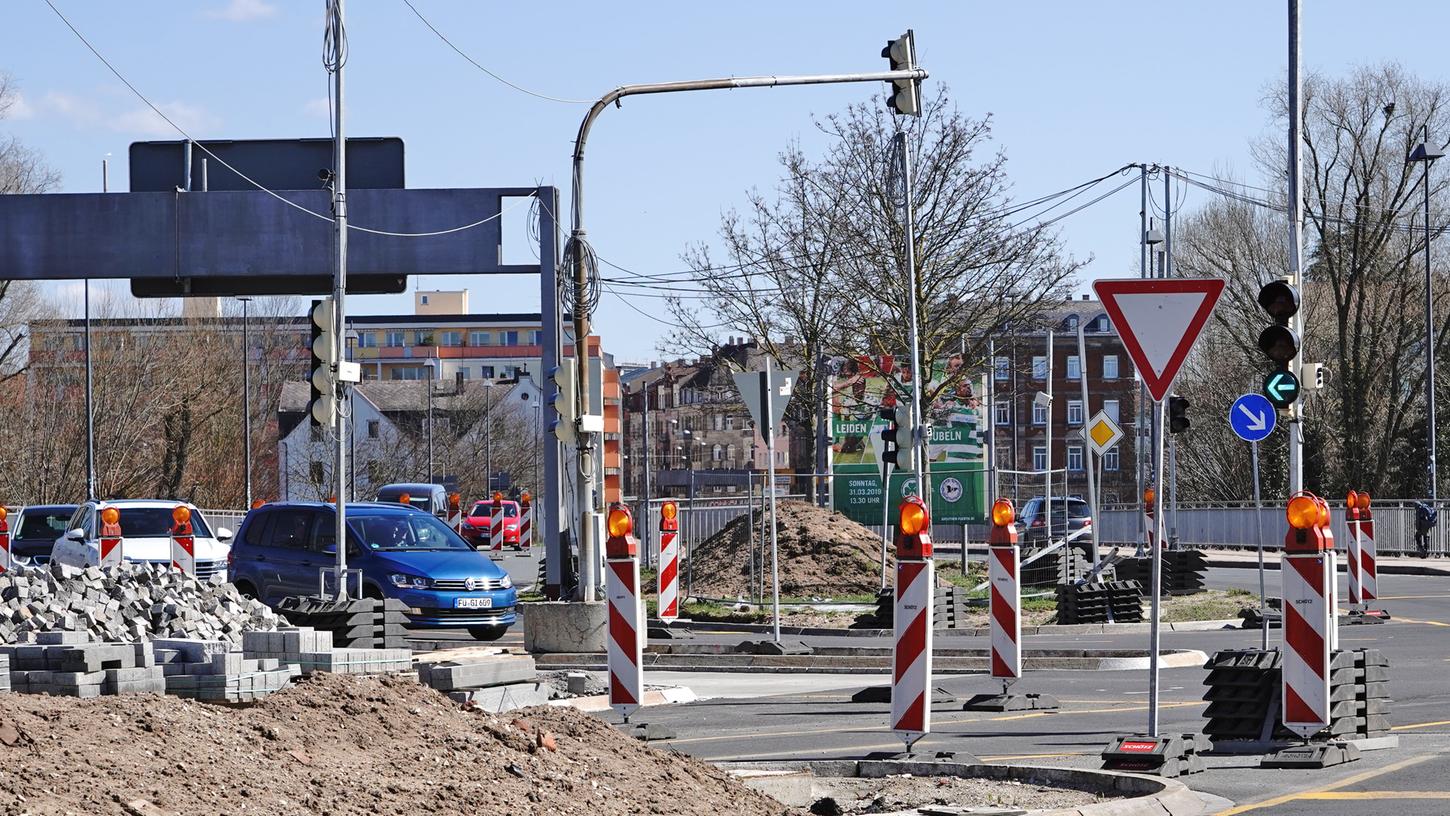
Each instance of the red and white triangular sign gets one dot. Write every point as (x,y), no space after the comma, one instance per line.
(1158,321)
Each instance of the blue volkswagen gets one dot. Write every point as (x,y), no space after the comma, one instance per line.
(404,553)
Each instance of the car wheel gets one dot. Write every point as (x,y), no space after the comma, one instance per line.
(487,632)
(246,590)
(370,591)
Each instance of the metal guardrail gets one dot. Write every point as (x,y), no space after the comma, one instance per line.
(1236,526)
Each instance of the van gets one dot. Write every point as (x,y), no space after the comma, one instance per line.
(430,498)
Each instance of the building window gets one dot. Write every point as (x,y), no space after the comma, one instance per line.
(1039,414)
(509,338)
(1039,457)
(1074,367)
(719,422)
(425,300)
(1110,407)
(410,373)
(1074,457)
(486,372)
(1039,368)
(717,453)
(536,338)
(1003,411)
(452,338)
(1110,459)
(423,338)
(463,373)
(1074,412)
(1072,323)
(1003,367)
(730,423)
(395,339)
(479,338)
(367,340)
(1110,366)
(374,429)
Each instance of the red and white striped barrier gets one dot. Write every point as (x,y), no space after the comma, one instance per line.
(526,523)
(625,648)
(1369,582)
(669,575)
(1308,592)
(4,541)
(912,625)
(1351,514)
(1003,564)
(455,512)
(183,543)
(495,524)
(111,548)
(1145,547)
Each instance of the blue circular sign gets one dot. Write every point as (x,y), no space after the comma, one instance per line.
(1252,417)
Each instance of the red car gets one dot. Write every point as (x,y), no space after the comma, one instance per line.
(476,525)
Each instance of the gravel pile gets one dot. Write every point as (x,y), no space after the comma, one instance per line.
(127,603)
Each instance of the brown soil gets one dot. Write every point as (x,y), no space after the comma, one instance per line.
(903,793)
(822,554)
(335,745)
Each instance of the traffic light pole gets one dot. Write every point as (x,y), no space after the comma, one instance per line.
(1296,243)
(919,429)
(587,501)
(339,292)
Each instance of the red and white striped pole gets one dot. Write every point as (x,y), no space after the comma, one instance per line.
(912,624)
(669,575)
(111,549)
(455,512)
(1307,616)
(495,533)
(526,523)
(183,543)
(625,650)
(1351,515)
(1006,594)
(1150,530)
(1369,582)
(4,541)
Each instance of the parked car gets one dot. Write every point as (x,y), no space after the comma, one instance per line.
(1069,515)
(33,532)
(430,498)
(145,535)
(403,553)
(477,525)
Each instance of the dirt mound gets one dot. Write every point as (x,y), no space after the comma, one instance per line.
(336,745)
(822,554)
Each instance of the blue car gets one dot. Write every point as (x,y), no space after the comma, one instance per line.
(403,553)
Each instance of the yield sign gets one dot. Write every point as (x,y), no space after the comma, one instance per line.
(1158,321)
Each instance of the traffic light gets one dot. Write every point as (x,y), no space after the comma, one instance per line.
(905,97)
(1280,343)
(562,402)
(898,449)
(323,406)
(1177,414)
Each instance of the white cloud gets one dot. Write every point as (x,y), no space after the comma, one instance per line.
(143,121)
(18,107)
(73,107)
(321,106)
(244,11)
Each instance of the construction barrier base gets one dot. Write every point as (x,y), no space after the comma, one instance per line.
(1168,755)
(955,757)
(1011,702)
(675,630)
(882,694)
(1356,617)
(1312,756)
(647,732)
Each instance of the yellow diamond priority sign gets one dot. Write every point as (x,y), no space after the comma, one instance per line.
(1103,433)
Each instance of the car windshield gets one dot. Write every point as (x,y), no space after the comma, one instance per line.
(483,508)
(43,525)
(155,522)
(403,531)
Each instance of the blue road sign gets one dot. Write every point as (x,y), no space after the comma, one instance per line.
(1252,417)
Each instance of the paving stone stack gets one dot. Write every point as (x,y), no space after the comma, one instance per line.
(312,650)
(130,603)
(1105,602)
(63,664)
(367,623)
(215,672)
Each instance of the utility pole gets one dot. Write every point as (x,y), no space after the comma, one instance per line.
(648,481)
(1296,243)
(1047,470)
(339,290)
(247,396)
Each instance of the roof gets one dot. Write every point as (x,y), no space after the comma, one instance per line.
(301,321)
(398,396)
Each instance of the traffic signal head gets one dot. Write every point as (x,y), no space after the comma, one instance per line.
(904,96)
(1280,300)
(1177,414)
(1279,343)
(561,402)
(323,407)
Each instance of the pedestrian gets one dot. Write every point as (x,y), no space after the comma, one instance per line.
(1425,519)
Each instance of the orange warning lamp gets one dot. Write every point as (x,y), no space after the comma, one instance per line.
(1148,496)
(913,536)
(257,503)
(669,517)
(497,496)
(181,514)
(525,497)
(1363,502)
(1351,502)
(1303,512)
(1002,512)
(454,500)
(403,498)
(621,542)
(4,514)
(111,515)
(1003,532)
(1308,525)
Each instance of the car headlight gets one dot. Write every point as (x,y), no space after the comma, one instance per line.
(507,581)
(403,581)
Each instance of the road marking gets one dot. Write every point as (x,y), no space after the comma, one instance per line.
(1413,726)
(1422,622)
(1349,796)
(1334,786)
(1015,757)
(1409,597)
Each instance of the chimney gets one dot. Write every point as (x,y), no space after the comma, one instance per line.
(1087,297)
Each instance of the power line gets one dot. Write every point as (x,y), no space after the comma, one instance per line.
(475,63)
(339,52)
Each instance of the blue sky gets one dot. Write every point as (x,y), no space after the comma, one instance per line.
(1075,89)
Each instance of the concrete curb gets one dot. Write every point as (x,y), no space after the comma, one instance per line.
(1150,796)
(673,695)
(1049,629)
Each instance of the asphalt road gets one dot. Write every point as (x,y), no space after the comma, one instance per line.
(1411,780)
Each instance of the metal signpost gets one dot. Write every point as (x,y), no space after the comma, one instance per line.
(766,394)
(1158,321)
(1102,434)
(1253,418)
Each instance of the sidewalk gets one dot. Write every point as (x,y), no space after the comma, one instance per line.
(1389,565)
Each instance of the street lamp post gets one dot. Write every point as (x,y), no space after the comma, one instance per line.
(1426,155)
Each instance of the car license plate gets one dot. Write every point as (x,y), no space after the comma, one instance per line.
(473,603)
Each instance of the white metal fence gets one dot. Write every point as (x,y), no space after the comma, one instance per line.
(1237,526)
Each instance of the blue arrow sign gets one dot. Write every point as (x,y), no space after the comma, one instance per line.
(1252,417)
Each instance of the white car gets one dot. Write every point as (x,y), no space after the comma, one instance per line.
(145,536)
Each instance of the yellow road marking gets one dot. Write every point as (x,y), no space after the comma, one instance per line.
(1343,783)
(1409,597)
(1423,622)
(1413,726)
(1347,796)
